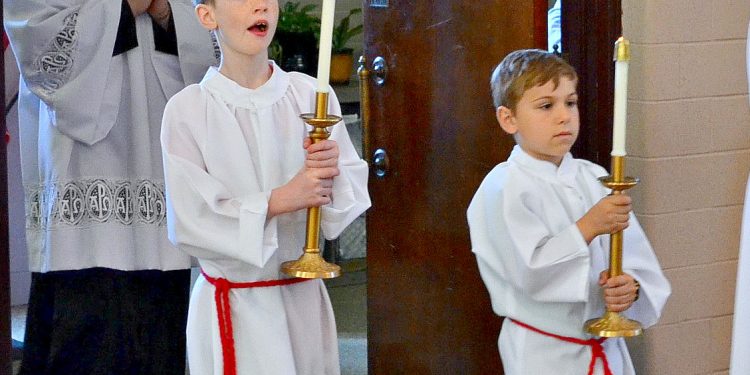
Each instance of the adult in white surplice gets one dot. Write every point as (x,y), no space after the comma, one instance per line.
(740,358)
(225,150)
(109,292)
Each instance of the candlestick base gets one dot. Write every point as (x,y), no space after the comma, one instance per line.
(613,324)
(311,266)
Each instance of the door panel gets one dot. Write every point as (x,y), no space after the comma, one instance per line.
(428,311)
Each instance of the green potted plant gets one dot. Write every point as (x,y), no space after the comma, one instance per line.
(295,45)
(342,59)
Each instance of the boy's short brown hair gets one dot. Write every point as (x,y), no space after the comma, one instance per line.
(524,69)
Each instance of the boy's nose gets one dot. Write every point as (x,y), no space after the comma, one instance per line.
(564,114)
(261,6)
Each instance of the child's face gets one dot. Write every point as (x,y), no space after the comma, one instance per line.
(545,122)
(244,27)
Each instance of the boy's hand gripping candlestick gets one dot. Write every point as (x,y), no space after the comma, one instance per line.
(613,324)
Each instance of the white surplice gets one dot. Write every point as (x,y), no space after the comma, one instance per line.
(740,357)
(539,270)
(225,148)
(89,131)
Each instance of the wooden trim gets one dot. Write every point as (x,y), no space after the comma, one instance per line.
(5,337)
(540,23)
(588,46)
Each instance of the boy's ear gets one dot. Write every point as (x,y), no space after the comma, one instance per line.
(506,119)
(205,15)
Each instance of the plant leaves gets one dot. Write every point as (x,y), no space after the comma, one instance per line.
(343,32)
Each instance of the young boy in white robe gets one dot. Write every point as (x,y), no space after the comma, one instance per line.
(539,227)
(240,173)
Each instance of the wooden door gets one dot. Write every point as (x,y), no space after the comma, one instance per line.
(428,311)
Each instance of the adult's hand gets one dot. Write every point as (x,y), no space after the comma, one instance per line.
(139,6)
(160,12)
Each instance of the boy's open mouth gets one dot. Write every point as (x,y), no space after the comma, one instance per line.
(260,26)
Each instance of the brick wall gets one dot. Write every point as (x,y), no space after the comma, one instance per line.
(689,142)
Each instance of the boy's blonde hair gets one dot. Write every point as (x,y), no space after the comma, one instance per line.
(524,69)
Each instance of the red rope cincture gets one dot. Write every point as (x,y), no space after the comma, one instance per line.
(223,310)
(597,350)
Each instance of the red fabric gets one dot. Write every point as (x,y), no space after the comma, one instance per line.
(597,351)
(7,137)
(221,296)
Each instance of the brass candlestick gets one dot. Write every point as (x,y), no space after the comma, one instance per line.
(613,324)
(311,264)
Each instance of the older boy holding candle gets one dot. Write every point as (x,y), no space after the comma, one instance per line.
(536,226)
(240,173)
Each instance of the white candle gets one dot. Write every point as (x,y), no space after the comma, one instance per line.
(622,56)
(326,36)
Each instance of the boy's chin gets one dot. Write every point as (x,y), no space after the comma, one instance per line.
(565,147)
(559,154)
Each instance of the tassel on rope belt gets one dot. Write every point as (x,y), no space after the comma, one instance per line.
(597,350)
(223,310)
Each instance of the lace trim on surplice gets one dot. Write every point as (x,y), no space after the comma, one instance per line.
(56,63)
(84,203)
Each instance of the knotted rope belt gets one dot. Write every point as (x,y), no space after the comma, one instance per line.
(597,350)
(223,310)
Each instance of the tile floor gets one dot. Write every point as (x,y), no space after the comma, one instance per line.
(349,299)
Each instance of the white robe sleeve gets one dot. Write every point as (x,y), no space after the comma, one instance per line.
(639,261)
(350,197)
(513,244)
(205,218)
(64,49)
